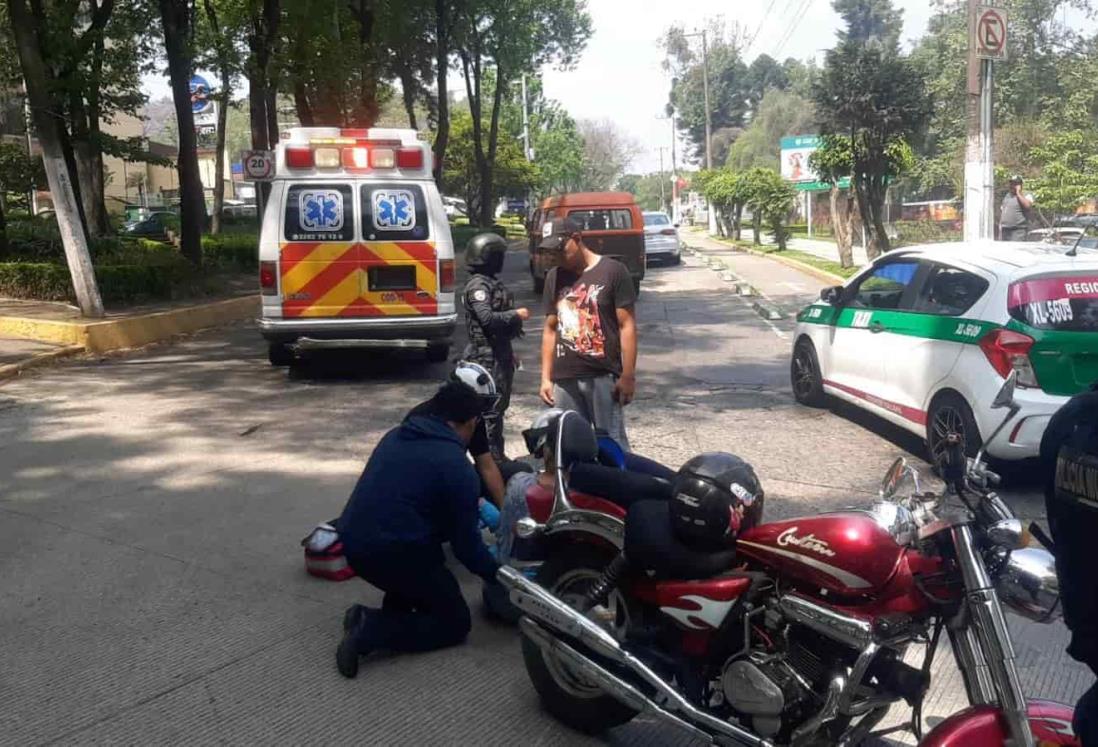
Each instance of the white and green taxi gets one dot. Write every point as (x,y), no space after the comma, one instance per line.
(924,337)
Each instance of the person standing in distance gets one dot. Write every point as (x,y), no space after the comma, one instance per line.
(492,322)
(1015,211)
(589,345)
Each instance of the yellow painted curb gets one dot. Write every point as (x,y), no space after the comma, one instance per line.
(133,331)
(816,272)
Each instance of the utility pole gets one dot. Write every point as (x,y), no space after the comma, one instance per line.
(987,40)
(663,195)
(710,212)
(525,124)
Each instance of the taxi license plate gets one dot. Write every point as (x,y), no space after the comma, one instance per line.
(391,278)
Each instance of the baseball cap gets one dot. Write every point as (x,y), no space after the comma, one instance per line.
(1016,179)
(557,231)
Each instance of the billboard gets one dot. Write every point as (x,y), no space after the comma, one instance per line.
(795,151)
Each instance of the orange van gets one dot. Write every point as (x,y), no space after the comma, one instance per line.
(612,226)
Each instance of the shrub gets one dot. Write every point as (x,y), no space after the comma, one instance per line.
(926,232)
(231,251)
(38,280)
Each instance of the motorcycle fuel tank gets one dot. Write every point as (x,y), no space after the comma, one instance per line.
(846,553)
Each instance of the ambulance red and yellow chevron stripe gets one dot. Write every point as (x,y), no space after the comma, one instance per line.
(360,278)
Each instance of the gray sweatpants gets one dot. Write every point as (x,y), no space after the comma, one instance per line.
(593,398)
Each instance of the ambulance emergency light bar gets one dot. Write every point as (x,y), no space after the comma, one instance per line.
(354,150)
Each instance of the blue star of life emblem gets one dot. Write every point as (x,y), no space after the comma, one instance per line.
(320,210)
(394,210)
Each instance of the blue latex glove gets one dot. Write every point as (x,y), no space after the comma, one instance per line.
(489,515)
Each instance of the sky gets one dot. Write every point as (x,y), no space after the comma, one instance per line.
(620,77)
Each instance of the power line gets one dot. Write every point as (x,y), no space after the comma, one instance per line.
(792,28)
(751,41)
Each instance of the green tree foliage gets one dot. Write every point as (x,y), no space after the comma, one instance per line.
(780,113)
(876,97)
(770,198)
(728,87)
(497,41)
(728,192)
(1068,174)
(559,151)
(764,74)
(513,174)
(833,162)
(646,188)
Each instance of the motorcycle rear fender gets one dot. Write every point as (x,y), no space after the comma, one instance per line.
(984,726)
(586,526)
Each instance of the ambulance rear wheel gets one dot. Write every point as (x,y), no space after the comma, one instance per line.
(438,353)
(280,354)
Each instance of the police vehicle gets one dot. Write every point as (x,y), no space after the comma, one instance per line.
(924,337)
(355,247)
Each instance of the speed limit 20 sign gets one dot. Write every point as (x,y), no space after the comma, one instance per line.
(990,32)
(259,165)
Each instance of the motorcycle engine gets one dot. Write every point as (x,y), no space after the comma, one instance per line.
(779,688)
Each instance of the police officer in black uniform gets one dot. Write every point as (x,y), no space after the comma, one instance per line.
(1069,453)
(492,323)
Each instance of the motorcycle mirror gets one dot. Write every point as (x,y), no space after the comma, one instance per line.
(1005,397)
(891,481)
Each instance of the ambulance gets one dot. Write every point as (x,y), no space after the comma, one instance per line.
(355,248)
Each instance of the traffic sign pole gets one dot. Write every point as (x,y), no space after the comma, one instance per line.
(987,42)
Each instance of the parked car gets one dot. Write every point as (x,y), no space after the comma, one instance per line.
(661,238)
(153,226)
(924,337)
(612,226)
(454,207)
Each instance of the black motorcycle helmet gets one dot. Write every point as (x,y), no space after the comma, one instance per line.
(715,497)
(484,253)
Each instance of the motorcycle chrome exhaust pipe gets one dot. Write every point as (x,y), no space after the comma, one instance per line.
(835,625)
(557,617)
(606,681)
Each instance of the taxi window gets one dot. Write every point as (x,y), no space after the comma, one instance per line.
(319,212)
(394,212)
(949,291)
(1067,302)
(602,220)
(884,287)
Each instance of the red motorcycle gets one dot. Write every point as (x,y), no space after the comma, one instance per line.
(798,635)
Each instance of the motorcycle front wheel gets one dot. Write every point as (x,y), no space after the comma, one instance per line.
(564,693)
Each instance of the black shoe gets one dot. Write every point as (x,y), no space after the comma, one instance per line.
(347,653)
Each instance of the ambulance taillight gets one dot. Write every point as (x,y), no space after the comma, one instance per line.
(446,277)
(410,158)
(299,158)
(268,278)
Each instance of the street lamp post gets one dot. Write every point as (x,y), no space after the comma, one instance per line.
(663,195)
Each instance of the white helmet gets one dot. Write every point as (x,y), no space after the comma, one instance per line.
(477,378)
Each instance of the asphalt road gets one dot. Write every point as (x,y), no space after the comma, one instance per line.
(151,506)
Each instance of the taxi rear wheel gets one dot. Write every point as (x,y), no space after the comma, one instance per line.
(950,414)
(280,354)
(805,376)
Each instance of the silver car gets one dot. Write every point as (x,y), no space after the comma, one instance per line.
(661,239)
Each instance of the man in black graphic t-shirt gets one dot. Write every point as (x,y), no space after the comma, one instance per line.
(589,347)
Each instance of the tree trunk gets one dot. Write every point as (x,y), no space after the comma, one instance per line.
(840,224)
(861,190)
(44,112)
(442,61)
(366,108)
(737,221)
(98,220)
(488,169)
(4,247)
(192,206)
(756,226)
(219,166)
(408,90)
(260,45)
(272,114)
(302,104)
(878,193)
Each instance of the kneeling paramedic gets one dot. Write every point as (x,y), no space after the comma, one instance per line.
(418,490)
(1069,453)
(492,323)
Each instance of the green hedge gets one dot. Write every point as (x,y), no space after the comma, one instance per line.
(911,232)
(231,251)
